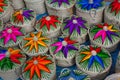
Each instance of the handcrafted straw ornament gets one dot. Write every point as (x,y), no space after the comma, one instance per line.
(10,34)
(105,35)
(75,27)
(36,66)
(48,21)
(11,61)
(7,58)
(10,58)
(95,61)
(35,40)
(105,31)
(49,25)
(21,15)
(93,55)
(64,44)
(75,24)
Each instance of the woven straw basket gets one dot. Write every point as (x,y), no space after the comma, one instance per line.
(12,74)
(52,33)
(28,27)
(62,61)
(109,18)
(36,5)
(7,14)
(115,76)
(53,73)
(98,76)
(17,4)
(10,43)
(110,48)
(93,16)
(41,51)
(60,12)
(80,39)
(94,75)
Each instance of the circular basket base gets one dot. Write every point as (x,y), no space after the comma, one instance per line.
(65,62)
(94,76)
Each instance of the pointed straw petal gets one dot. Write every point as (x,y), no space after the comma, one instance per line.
(37,71)
(32,71)
(44,68)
